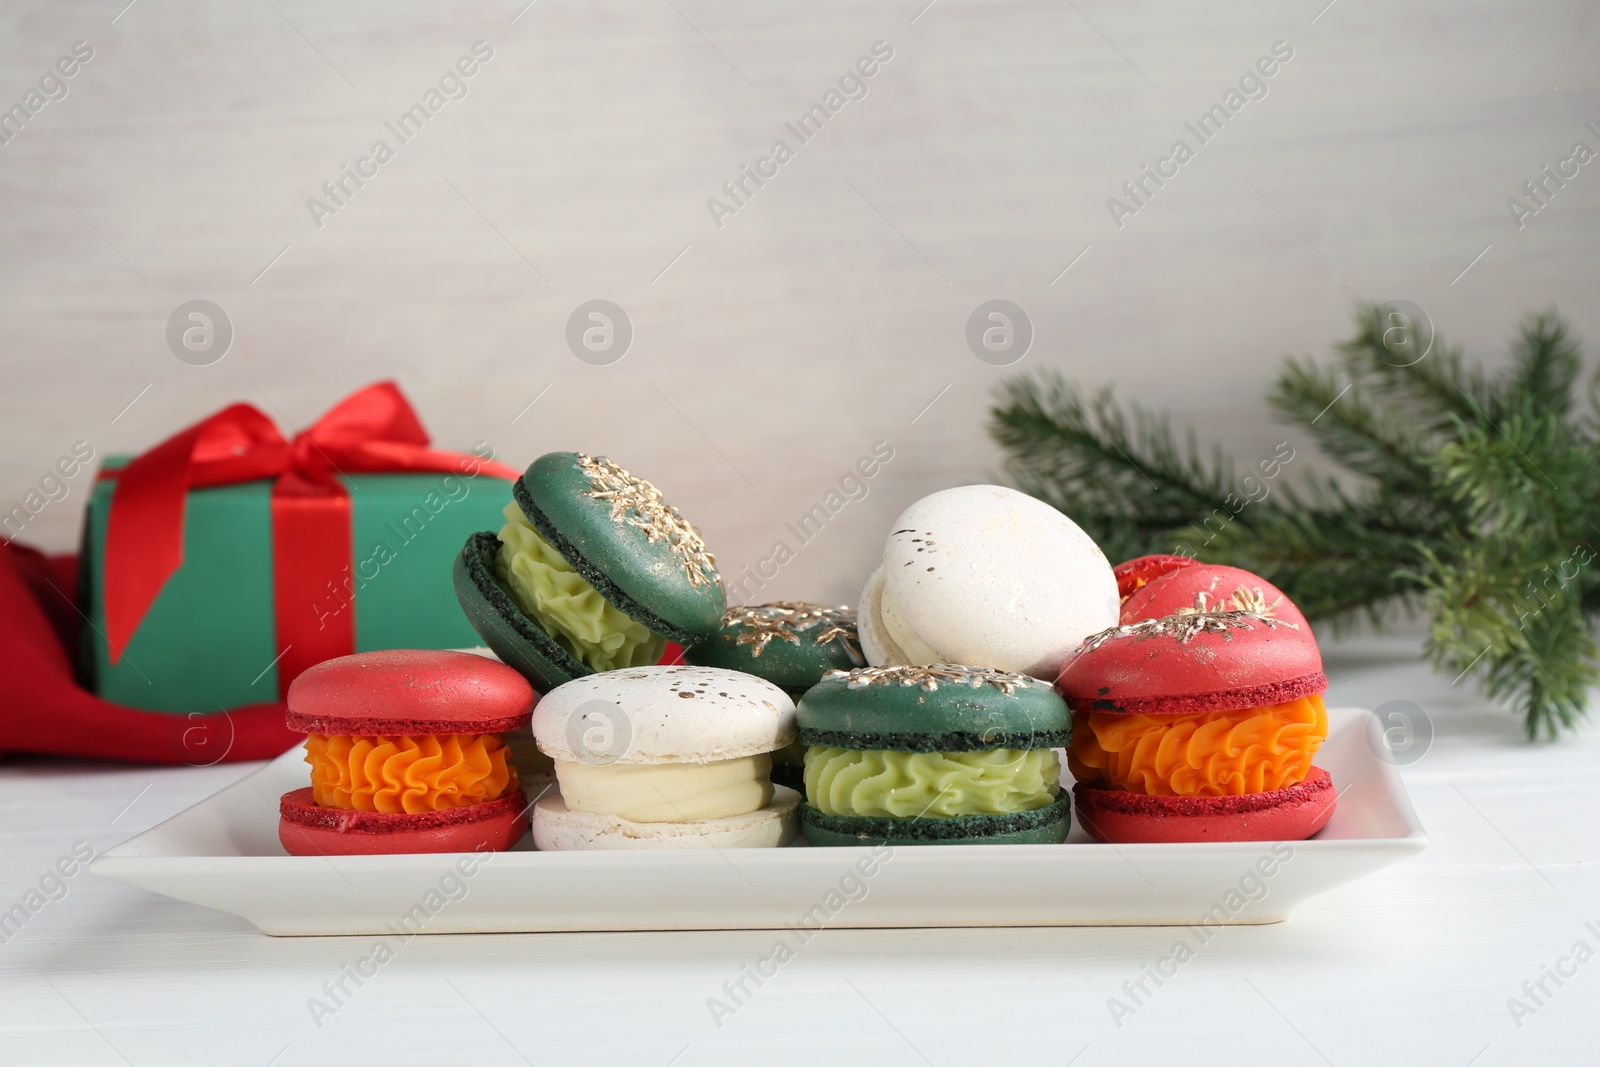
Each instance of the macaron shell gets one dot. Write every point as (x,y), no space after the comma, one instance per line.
(894,709)
(645,579)
(674,713)
(876,644)
(1182,588)
(1290,814)
(790,665)
(558,829)
(989,576)
(518,640)
(1153,672)
(308,829)
(1135,573)
(408,691)
(1043,826)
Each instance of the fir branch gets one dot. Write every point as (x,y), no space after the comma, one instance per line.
(1334,564)
(1546,362)
(1491,472)
(1549,685)
(1467,496)
(1348,426)
(1121,469)
(1432,385)
(1523,633)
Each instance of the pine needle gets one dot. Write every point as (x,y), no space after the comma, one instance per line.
(1464,495)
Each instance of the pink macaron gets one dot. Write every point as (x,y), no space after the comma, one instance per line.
(1156,706)
(407,755)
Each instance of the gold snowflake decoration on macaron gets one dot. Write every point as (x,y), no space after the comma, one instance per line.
(641,505)
(786,620)
(928,676)
(1185,625)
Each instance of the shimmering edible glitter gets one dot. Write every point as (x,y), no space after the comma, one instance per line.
(928,676)
(640,504)
(1242,599)
(786,620)
(1184,626)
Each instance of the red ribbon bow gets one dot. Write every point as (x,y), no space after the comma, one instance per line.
(370,431)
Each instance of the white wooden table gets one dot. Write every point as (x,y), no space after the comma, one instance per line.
(1413,965)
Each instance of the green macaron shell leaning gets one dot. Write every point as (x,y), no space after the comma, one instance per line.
(789,643)
(935,708)
(620,537)
(492,610)
(624,540)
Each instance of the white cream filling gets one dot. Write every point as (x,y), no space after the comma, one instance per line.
(668,792)
(899,631)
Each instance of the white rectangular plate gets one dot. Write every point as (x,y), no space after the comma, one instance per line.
(224,853)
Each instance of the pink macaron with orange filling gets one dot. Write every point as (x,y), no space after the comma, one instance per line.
(1198,726)
(407,754)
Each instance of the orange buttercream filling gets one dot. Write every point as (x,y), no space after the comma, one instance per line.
(408,774)
(1209,754)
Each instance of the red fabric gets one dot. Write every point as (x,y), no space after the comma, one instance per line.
(47,712)
(371,430)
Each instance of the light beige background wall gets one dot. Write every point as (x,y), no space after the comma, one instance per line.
(770,353)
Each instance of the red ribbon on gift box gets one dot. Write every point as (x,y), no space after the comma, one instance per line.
(373,430)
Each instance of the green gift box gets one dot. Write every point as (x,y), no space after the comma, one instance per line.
(216,635)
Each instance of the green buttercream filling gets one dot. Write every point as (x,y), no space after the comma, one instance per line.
(904,785)
(568,608)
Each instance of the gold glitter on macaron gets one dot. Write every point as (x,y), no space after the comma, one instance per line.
(928,676)
(787,620)
(641,505)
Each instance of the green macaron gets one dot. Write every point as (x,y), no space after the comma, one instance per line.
(933,755)
(791,644)
(592,571)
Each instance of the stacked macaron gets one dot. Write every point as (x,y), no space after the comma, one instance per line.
(985,576)
(1197,717)
(593,571)
(792,645)
(933,755)
(407,754)
(664,757)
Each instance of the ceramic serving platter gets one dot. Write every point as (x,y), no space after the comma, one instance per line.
(223,853)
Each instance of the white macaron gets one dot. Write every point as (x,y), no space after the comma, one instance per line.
(664,757)
(986,576)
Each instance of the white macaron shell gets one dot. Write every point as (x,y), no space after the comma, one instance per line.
(557,828)
(991,577)
(663,714)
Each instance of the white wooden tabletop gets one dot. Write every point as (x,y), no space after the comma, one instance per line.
(1414,965)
